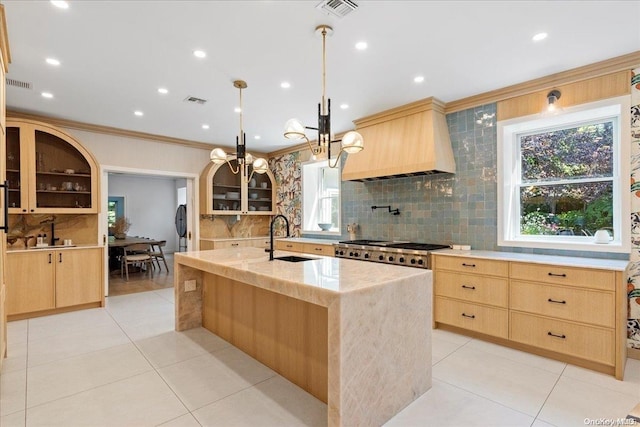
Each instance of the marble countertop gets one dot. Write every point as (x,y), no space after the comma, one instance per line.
(56,247)
(607,264)
(318,281)
(312,240)
(223,239)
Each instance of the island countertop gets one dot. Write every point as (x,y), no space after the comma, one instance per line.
(318,281)
(356,335)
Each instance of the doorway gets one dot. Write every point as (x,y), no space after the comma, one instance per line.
(148,199)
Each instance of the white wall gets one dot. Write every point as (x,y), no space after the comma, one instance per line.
(149,204)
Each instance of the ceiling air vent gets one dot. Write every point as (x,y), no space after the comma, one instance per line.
(195,100)
(18,83)
(339,8)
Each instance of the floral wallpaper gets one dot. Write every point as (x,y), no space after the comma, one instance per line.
(633,283)
(288,173)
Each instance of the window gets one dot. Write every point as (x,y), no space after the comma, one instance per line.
(321,197)
(561,179)
(115,210)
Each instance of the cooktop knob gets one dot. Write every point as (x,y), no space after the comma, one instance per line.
(391,259)
(381,257)
(420,262)
(356,254)
(413,261)
(350,253)
(366,255)
(401,259)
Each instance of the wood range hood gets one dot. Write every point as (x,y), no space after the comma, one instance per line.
(409,140)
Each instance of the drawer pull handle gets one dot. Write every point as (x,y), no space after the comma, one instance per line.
(556,301)
(235,244)
(318,249)
(470,316)
(551,334)
(468,265)
(469,287)
(558,275)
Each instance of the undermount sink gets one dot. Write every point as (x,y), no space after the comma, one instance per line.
(293,258)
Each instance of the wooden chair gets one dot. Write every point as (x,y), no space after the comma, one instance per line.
(136,254)
(157,254)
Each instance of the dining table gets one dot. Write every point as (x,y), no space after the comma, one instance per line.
(116,248)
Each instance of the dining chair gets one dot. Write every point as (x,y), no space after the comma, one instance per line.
(136,254)
(157,254)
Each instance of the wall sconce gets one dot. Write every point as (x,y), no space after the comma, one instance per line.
(552,98)
(218,156)
(352,142)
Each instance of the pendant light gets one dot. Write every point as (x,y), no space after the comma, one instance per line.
(352,142)
(219,156)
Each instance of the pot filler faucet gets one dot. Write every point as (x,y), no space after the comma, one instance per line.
(270,250)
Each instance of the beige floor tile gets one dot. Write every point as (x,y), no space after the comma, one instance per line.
(67,323)
(16,359)
(274,402)
(168,294)
(540,423)
(441,348)
(17,331)
(12,392)
(202,380)
(630,385)
(136,307)
(14,420)
(186,420)
(143,400)
(450,336)
(243,366)
(172,347)
(519,356)
(512,384)
(75,374)
(573,401)
(74,343)
(148,327)
(206,339)
(445,405)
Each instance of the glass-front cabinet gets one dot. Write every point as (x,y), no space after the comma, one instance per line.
(48,171)
(225,193)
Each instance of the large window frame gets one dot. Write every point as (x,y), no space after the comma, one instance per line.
(313,195)
(509,175)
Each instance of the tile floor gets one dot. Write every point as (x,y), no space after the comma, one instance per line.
(125,366)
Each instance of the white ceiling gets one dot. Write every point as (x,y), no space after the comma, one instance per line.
(115,54)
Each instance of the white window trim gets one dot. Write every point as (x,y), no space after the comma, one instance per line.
(508,171)
(335,232)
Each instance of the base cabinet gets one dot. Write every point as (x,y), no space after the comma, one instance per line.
(262,242)
(575,314)
(307,248)
(50,279)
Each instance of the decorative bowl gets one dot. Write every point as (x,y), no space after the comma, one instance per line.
(233,195)
(324,226)
(253,195)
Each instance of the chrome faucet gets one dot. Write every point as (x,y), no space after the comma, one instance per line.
(270,250)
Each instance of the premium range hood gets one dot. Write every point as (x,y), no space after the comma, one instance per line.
(409,140)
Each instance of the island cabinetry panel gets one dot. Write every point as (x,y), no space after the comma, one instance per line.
(48,170)
(42,281)
(224,193)
(285,245)
(286,334)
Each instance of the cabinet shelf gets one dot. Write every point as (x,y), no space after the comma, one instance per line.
(70,175)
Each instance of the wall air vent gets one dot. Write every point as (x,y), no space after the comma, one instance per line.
(339,8)
(195,100)
(18,83)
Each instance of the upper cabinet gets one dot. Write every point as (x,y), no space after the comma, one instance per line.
(224,193)
(48,170)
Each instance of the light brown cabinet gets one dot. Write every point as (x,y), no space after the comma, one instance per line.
(262,242)
(4,67)
(308,248)
(43,279)
(48,171)
(574,314)
(224,193)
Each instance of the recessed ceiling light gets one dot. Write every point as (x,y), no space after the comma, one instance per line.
(257,137)
(163,90)
(60,3)
(285,85)
(47,95)
(138,113)
(344,106)
(237,109)
(205,126)
(418,79)
(539,36)
(52,61)
(361,45)
(199,53)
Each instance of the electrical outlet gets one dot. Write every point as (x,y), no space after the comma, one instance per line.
(189,285)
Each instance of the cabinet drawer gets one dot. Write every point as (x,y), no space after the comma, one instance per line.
(487,320)
(472,288)
(471,265)
(586,342)
(561,275)
(261,243)
(312,248)
(580,305)
(284,245)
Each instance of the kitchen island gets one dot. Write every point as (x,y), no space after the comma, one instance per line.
(356,335)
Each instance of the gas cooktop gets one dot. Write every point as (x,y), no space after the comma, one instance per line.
(390,252)
(396,244)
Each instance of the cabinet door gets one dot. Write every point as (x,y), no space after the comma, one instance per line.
(226,190)
(260,193)
(16,161)
(30,281)
(78,276)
